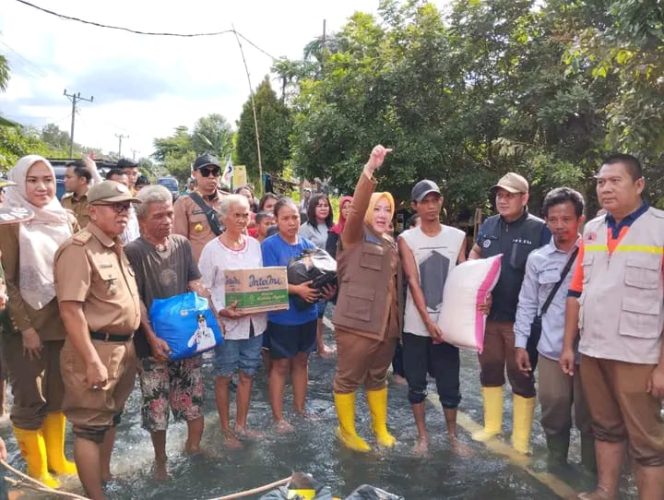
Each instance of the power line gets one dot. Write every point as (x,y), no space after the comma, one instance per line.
(142,32)
(237,33)
(25,61)
(122,28)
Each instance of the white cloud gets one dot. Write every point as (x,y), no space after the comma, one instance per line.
(144,86)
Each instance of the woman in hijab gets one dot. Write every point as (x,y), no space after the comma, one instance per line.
(367,318)
(33,341)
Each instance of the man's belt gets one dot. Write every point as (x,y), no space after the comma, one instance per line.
(111,337)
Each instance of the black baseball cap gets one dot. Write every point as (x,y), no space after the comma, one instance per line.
(204,160)
(423,188)
(126,163)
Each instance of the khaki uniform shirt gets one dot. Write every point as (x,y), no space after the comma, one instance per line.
(92,268)
(190,221)
(19,315)
(79,206)
(370,301)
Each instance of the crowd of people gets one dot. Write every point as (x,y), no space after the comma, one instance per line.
(582,304)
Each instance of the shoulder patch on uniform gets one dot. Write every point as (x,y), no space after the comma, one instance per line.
(81,238)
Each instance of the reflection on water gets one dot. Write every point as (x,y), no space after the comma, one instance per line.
(314,449)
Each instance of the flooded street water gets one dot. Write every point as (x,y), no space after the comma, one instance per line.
(314,449)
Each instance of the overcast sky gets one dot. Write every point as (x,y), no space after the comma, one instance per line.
(144,87)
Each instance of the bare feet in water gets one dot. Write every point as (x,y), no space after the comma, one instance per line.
(192,449)
(599,494)
(246,433)
(460,448)
(421,448)
(160,471)
(231,441)
(283,427)
(308,415)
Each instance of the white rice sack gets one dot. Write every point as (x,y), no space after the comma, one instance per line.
(467,287)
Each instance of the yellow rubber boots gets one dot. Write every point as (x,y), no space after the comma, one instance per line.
(33,450)
(493,414)
(522,422)
(378,406)
(54,437)
(346,432)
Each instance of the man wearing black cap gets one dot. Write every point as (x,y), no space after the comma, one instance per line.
(197,214)
(428,253)
(514,233)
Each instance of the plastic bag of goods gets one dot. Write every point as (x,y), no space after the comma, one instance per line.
(314,265)
(466,287)
(186,323)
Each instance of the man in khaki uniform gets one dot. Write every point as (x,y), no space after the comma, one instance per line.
(615,303)
(100,308)
(77,183)
(198,224)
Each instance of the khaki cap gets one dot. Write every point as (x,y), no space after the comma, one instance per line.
(512,183)
(110,192)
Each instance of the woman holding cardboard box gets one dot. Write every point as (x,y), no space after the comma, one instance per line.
(241,350)
(367,318)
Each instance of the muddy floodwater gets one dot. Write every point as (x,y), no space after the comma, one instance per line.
(313,448)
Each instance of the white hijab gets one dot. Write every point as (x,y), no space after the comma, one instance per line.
(38,238)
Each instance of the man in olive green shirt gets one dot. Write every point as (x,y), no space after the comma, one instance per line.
(77,182)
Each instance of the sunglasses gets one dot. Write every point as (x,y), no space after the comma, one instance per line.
(118,208)
(507,196)
(206,172)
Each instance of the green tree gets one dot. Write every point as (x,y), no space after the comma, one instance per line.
(212,134)
(274,127)
(629,48)
(54,137)
(16,141)
(288,72)
(462,99)
(176,153)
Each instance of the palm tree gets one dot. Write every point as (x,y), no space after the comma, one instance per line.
(288,72)
(320,47)
(4,73)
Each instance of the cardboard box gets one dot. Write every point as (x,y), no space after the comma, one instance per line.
(257,290)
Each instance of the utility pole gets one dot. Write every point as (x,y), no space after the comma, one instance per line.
(133,153)
(120,137)
(322,46)
(74,98)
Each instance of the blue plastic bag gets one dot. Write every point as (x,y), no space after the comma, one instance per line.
(186,323)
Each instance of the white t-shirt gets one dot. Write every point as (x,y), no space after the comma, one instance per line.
(435,257)
(132,230)
(215,258)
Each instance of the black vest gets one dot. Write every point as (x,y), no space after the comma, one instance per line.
(515,240)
